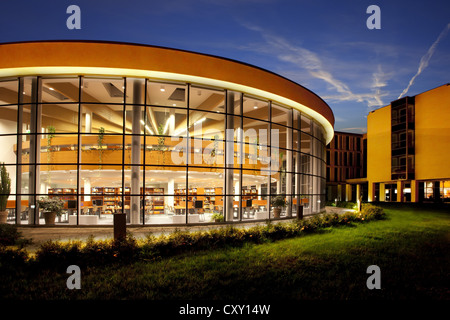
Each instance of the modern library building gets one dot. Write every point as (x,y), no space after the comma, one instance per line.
(165,136)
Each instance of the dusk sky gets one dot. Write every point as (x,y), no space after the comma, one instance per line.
(323,45)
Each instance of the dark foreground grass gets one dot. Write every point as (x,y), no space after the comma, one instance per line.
(411,247)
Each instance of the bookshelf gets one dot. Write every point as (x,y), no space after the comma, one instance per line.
(112,198)
(211,197)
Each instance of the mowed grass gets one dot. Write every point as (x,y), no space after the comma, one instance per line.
(411,247)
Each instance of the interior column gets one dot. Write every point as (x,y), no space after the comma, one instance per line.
(171,191)
(229,157)
(136,152)
(35,150)
(289,165)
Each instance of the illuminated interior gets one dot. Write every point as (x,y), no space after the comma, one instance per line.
(161,147)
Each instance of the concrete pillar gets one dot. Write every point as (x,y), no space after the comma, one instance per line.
(19,152)
(399,191)
(382,192)
(289,164)
(88,122)
(87,189)
(414,191)
(170,190)
(348,192)
(339,192)
(236,190)
(171,122)
(298,169)
(229,157)
(35,148)
(136,152)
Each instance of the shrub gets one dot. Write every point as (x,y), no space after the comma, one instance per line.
(371,212)
(58,255)
(12,258)
(10,235)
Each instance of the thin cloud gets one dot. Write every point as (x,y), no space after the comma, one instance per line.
(308,60)
(380,80)
(425,59)
(360,129)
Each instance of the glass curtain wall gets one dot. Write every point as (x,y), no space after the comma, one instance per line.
(161,152)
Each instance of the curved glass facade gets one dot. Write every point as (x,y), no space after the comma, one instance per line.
(161,152)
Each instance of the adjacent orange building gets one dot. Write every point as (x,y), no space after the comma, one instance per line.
(408,149)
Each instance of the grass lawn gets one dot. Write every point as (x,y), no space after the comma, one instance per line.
(411,247)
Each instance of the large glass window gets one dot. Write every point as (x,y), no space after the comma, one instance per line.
(160,152)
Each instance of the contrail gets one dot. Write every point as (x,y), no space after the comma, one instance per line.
(425,59)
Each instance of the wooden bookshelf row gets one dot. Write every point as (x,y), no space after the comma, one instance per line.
(110,198)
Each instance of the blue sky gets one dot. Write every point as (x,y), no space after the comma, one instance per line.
(323,45)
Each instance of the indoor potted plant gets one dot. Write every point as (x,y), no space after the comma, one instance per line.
(217,217)
(51,207)
(5,190)
(278,202)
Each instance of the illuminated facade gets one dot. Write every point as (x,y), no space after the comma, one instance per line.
(408,147)
(165,136)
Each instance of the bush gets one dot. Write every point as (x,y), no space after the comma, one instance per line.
(12,258)
(60,255)
(371,212)
(10,235)
(57,254)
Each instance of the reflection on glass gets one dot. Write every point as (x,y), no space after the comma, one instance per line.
(166,94)
(255,108)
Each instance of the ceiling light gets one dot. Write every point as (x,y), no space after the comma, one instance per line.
(51,88)
(199,121)
(255,106)
(148,129)
(167,123)
(162,89)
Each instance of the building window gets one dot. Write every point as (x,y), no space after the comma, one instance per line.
(428,191)
(445,190)
(160,152)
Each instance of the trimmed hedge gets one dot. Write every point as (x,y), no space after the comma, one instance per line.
(342,204)
(10,235)
(55,254)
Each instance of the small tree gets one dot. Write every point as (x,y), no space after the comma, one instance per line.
(51,134)
(161,142)
(5,187)
(100,138)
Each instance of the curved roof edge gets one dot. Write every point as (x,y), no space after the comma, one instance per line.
(96,55)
